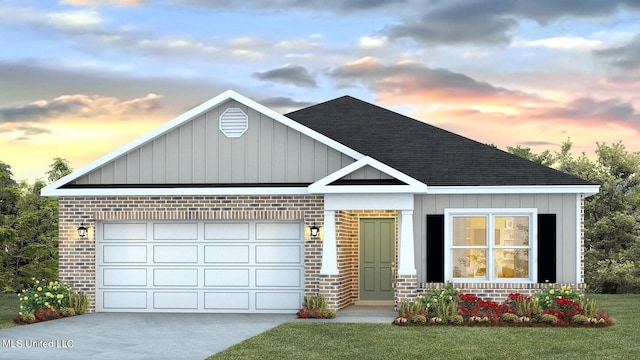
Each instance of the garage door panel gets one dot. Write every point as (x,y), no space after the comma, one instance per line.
(278,231)
(175,277)
(226,231)
(124,254)
(220,254)
(278,277)
(124,299)
(175,231)
(278,301)
(175,254)
(278,254)
(124,231)
(237,301)
(175,300)
(226,277)
(124,277)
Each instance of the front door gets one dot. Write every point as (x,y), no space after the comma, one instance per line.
(377,258)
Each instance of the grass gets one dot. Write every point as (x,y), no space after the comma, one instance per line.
(385,341)
(9,308)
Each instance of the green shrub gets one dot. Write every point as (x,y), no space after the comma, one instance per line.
(548,319)
(418,319)
(546,297)
(456,319)
(44,295)
(440,302)
(510,318)
(79,302)
(66,312)
(28,318)
(580,319)
(615,277)
(316,307)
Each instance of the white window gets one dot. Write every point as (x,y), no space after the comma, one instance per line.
(497,245)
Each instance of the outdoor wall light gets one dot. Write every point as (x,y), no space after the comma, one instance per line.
(82,231)
(314,230)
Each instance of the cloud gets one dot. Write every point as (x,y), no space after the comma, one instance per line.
(78,105)
(289,74)
(121,3)
(585,108)
(565,43)
(283,104)
(626,56)
(491,21)
(318,5)
(409,79)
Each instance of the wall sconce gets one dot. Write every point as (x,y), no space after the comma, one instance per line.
(314,230)
(82,231)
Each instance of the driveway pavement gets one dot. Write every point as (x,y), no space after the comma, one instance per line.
(134,336)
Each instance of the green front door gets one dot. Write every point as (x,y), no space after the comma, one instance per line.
(377,258)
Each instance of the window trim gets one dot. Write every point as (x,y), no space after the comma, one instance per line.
(490,214)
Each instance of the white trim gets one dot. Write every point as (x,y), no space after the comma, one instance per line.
(329,247)
(53,188)
(406,251)
(368,201)
(587,190)
(578,240)
(532,213)
(176,191)
(322,186)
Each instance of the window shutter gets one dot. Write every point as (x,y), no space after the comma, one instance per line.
(435,248)
(546,248)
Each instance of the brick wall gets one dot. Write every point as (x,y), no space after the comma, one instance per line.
(77,256)
(494,292)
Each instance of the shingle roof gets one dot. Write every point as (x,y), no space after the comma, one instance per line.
(432,155)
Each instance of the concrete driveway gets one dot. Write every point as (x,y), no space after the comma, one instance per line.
(134,336)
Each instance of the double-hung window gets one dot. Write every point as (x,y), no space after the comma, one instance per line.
(494,245)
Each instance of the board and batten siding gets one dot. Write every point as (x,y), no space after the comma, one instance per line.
(197,152)
(562,205)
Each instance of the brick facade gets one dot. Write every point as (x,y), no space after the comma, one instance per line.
(77,255)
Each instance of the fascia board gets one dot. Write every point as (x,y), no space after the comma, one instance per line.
(179,191)
(587,190)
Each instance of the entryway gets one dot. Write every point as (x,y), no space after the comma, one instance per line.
(377,259)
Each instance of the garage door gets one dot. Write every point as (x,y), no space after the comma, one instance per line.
(236,267)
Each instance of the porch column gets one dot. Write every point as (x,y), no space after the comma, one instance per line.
(329,249)
(406,255)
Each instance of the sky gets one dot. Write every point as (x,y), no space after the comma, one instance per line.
(80,78)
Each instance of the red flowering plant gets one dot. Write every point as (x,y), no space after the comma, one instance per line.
(564,309)
(475,309)
(316,307)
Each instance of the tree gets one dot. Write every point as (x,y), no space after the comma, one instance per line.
(9,196)
(546,158)
(59,169)
(612,217)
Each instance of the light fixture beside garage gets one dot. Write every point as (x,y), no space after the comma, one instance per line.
(82,231)
(314,230)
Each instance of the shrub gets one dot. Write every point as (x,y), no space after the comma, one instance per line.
(316,307)
(437,302)
(510,318)
(564,309)
(418,319)
(44,295)
(79,301)
(477,309)
(68,311)
(46,314)
(456,319)
(523,306)
(580,319)
(548,319)
(28,318)
(546,297)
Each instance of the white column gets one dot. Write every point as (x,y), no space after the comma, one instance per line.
(329,248)
(406,255)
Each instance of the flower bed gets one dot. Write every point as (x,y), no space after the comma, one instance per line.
(547,307)
(49,301)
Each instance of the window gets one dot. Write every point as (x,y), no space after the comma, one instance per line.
(490,245)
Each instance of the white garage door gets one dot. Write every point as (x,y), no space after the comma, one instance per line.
(236,267)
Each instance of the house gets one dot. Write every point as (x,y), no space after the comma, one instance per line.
(232,207)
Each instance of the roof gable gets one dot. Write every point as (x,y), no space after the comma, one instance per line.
(165,157)
(424,152)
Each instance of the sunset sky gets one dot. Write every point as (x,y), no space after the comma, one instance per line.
(79,78)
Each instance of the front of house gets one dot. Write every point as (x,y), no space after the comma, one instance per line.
(214,212)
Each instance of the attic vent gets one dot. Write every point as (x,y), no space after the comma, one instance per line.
(233,122)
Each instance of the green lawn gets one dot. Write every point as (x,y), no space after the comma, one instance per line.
(9,308)
(386,341)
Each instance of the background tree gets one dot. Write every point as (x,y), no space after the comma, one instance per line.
(28,229)
(612,217)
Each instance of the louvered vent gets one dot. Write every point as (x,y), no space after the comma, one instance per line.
(234,122)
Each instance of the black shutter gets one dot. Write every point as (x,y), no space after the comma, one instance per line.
(546,248)
(435,248)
